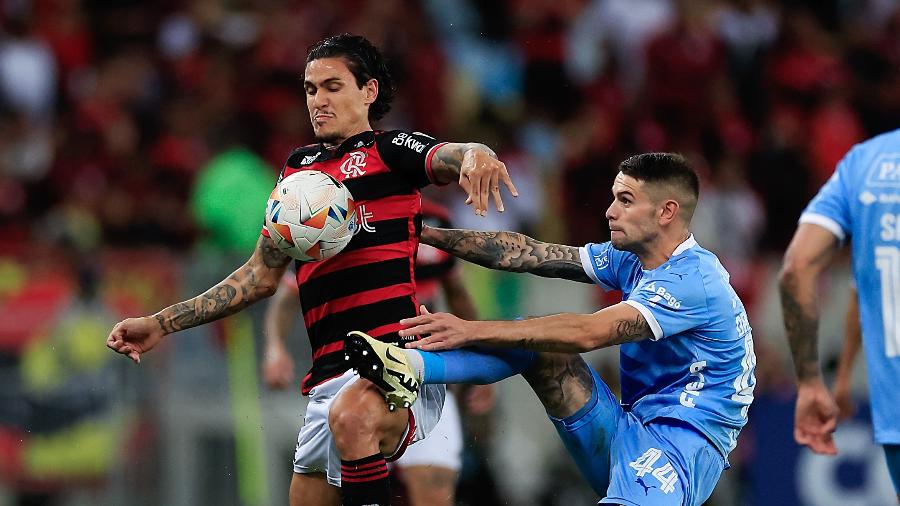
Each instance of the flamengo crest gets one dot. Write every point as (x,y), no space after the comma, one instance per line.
(354,165)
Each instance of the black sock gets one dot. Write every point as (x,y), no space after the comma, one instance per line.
(365,482)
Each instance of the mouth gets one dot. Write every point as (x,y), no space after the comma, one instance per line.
(322,117)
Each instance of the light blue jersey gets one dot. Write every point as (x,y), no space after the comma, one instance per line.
(699,365)
(862,201)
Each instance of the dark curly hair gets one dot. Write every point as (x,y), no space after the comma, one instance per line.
(364,61)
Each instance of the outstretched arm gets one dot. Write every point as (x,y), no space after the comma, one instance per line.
(564,333)
(256,279)
(509,251)
(809,253)
(478,171)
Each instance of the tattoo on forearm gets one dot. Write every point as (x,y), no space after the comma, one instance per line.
(510,251)
(631,330)
(802,330)
(233,294)
(215,303)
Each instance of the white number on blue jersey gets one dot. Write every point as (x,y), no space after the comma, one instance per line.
(887,261)
(666,474)
(667,478)
(693,388)
(644,463)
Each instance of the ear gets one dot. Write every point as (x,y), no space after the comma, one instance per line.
(371,89)
(668,211)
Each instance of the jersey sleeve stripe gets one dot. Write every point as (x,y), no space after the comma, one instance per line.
(824,222)
(428,157)
(651,320)
(588,267)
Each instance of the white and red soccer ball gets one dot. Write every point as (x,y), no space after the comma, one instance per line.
(311,216)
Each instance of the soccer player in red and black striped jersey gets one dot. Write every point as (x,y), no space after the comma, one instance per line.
(429,468)
(369,286)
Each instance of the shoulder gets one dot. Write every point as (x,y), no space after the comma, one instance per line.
(304,155)
(414,141)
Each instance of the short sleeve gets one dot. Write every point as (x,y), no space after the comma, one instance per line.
(671,303)
(409,154)
(830,208)
(606,266)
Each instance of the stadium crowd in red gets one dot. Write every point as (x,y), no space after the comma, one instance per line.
(109,109)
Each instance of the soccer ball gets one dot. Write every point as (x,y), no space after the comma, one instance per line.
(311,216)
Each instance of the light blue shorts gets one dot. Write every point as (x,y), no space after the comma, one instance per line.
(666,462)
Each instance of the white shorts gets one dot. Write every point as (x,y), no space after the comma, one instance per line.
(443,447)
(316,452)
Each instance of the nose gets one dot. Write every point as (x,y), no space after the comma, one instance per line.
(319,99)
(611,211)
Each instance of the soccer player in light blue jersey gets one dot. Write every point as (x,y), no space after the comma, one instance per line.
(687,358)
(862,201)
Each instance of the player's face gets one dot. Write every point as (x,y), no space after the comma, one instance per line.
(632,215)
(338,108)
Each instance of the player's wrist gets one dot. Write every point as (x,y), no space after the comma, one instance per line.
(164,325)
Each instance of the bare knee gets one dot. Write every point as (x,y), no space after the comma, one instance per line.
(361,423)
(562,381)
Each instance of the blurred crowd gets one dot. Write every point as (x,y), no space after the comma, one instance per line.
(152,126)
(110,110)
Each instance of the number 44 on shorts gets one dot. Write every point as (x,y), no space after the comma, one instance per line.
(665,474)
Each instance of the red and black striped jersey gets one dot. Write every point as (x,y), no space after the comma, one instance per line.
(370,285)
(432,264)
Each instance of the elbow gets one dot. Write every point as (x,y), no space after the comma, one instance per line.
(793,268)
(266,288)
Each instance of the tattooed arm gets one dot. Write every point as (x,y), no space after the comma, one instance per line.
(509,251)
(477,169)
(809,253)
(256,279)
(566,332)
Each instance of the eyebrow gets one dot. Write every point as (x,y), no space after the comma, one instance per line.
(323,83)
(623,192)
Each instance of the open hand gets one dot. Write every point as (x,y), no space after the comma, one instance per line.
(447,331)
(480,175)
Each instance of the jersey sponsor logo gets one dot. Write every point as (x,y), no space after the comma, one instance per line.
(885,172)
(354,165)
(601,261)
(867,198)
(308,159)
(364,216)
(661,294)
(408,141)
(890,227)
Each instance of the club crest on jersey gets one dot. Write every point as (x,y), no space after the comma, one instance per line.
(354,165)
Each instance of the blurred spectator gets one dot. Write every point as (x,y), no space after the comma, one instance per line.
(28,72)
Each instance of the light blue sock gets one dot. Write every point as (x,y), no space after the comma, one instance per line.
(479,366)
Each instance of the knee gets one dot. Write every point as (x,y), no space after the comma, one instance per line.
(355,417)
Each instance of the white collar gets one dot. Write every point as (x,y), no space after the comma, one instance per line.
(688,243)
